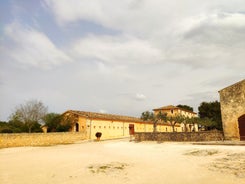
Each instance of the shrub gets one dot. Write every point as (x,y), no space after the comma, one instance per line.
(98,134)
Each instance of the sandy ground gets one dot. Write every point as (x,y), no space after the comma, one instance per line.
(123,162)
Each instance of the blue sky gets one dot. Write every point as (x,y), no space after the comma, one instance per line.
(119,57)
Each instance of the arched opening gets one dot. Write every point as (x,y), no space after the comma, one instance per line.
(77,127)
(241,126)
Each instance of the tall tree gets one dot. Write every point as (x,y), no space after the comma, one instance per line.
(211,110)
(30,113)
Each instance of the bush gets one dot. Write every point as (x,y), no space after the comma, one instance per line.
(7,131)
(98,134)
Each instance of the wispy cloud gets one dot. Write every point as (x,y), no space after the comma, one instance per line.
(194,33)
(32,48)
(119,49)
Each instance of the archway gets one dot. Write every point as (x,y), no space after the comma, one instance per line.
(241,125)
(77,127)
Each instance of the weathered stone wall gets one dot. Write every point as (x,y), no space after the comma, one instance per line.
(180,136)
(40,139)
(232,102)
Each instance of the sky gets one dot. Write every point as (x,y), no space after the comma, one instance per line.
(118,57)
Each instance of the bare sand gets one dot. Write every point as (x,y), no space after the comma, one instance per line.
(123,162)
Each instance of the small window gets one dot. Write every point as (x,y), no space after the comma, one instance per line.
(172,111)
(94,126)
(104,126)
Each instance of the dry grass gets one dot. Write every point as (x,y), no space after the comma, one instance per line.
(231,164)
(107,168)
(206,152)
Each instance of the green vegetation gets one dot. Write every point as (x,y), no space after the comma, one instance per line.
(202,152)
(210,115)
(57,123)
(30,114)
(107,168)
(185,107)
(29,117)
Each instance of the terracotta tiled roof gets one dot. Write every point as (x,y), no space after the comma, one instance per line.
(171,107)
(113,117)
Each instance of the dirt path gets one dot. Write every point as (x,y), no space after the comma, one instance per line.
(123,162)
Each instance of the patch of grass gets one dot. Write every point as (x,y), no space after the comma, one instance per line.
(202,152)
(230,164)
(107,168)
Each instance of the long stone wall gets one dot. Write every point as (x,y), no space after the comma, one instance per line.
(180,136)
(40,139)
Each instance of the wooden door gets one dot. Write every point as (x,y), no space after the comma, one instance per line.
(241,125)
(131,129)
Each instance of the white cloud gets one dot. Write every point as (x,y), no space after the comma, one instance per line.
(139,96)
(116,50)
(32,48)
(195,33)
(138,15)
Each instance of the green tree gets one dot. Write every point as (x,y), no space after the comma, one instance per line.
(185,107)
(207,123)
(150,116)
(187,121)
(17,126)
(30,113)
(173,120)
(52,121)
(211,110)
(147,115)
(57,123)
(159,118)
(5,128)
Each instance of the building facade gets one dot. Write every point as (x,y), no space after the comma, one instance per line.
(232,103)
(171,110)
(111,126)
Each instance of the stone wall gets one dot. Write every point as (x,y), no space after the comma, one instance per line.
(232,102)
(40,139)
(180,136)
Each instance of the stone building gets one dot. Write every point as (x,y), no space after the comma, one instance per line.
(111,126)
(232,102)
(171,110)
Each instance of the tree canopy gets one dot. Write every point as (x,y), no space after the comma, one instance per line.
(30,114)
(186,107)
(147,115)
(211,111)
(56,123)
